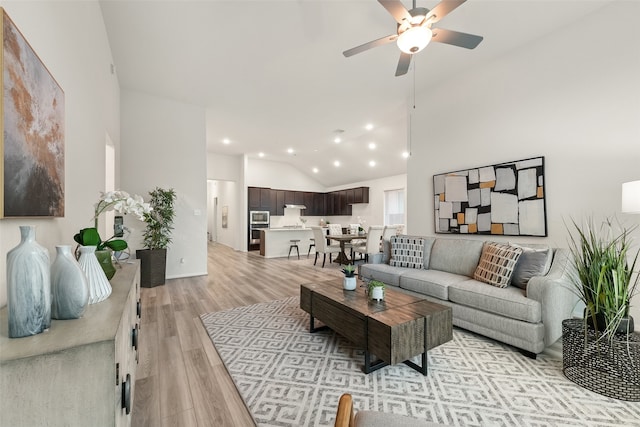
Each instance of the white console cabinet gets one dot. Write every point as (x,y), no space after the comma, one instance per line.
(80,372)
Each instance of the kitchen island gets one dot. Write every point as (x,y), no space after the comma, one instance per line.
(275,242)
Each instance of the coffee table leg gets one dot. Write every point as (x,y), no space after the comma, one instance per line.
(312,327)
(370,367)
(422,369)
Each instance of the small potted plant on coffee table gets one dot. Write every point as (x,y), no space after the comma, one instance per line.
(376,290)
(349,282)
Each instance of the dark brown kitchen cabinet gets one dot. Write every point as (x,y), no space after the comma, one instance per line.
(309,203)
(350,195)
(273,202)
(280,201)
(319,206)
(361,195)
(254,198)
(259,198)
(289,198)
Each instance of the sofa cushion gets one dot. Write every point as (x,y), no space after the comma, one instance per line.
(458,256)
(509,302)
(534,261)
(497,263)
(433,283)
(383,272)
(407,251)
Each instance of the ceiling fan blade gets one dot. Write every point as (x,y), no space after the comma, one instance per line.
(442,9)
(403,64)
(374,43)
(396,9)
(455,38)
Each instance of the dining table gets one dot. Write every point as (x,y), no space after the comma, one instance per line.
(342,257)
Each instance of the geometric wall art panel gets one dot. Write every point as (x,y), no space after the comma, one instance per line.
(31,131)
(504,199)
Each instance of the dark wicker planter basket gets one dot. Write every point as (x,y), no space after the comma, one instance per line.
(608,368)
(153,266)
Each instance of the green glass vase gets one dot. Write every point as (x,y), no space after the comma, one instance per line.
(104,259)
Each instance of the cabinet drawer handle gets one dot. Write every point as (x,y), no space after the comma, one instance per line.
(134,337)
(139,309)
(126,394)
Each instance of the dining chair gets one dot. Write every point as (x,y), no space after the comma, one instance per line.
(334,230)
(372,245)
(321,245)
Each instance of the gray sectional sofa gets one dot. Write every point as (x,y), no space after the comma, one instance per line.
(528,317)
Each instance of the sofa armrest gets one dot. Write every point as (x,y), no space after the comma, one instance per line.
(556,295)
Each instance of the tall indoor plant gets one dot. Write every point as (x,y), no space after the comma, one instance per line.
(603,279)
(157,237)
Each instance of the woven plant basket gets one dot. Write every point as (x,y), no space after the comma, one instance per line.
(153,266)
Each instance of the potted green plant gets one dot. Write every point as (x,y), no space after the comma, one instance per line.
(349,282)
(157,237)
(376,290)
(603,279)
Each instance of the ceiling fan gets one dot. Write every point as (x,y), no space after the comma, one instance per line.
(415,31)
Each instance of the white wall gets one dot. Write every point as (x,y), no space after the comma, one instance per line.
(163,145)
(70,39)
(572,96)
(227,193)
(278,175)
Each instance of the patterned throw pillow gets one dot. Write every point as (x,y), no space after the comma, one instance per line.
(497,263)
(407,252)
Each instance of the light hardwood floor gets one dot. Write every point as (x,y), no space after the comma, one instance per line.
(181,380)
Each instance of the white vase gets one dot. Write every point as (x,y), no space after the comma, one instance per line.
(349,283)
(377,293)
(69,287)
(28,286)
(99,286)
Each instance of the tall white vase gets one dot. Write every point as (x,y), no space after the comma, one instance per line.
(99,286)
(69,287)
(28,286)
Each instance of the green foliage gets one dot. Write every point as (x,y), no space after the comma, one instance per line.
(91,237)
(603,276)
(375,284)
(159,221)
(349,270)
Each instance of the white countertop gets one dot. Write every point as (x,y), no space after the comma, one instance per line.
(288,229)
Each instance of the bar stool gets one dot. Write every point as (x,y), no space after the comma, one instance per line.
(312,245)
(294,244)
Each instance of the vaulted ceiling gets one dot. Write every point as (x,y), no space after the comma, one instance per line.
(272,77)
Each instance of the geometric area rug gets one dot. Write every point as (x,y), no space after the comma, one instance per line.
(289,377)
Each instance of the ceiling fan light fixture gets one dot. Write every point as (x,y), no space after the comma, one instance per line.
(414,39)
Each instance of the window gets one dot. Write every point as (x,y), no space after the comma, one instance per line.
(394,207)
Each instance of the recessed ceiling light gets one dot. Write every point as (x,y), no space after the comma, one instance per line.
(372,163)
(226,141)
(336,163)
(315,170)
(261,154)
(372,146)
(290,150)
(405,154)
(369,126)
(337,140)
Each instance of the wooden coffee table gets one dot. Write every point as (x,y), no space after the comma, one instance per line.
(394,330)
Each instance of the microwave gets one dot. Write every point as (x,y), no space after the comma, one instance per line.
(259,217)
